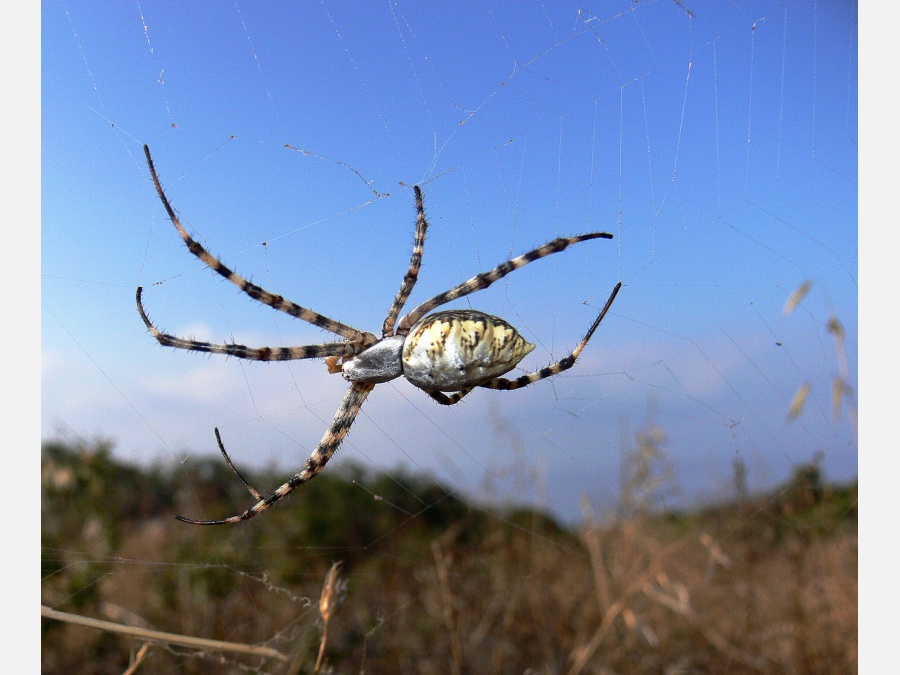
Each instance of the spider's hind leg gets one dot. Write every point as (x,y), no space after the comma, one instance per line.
(559,366)
(481,281)
(443,399)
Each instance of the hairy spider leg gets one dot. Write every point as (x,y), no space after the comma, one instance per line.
(250,488)
(481,281)
(559,366)
(523,381)
(331,441)
(242,351)
(452,399)
(415,264)
(356,340)
(259,294)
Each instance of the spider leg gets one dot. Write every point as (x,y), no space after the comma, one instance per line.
(559,366)
(243,352)
(443,399)
(481,281)
(331,441)
(256,292)
(415,264)
(237,473)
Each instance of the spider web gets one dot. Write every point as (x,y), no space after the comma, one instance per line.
(718,144)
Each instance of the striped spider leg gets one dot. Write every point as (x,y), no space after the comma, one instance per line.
(538,375)
(442,352)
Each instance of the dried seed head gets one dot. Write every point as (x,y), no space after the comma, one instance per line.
(331,593)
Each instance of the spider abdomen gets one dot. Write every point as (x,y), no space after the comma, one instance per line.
(459,349)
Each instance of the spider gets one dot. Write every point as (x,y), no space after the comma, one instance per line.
(446,354)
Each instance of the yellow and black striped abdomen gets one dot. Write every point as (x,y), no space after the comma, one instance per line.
(460,349)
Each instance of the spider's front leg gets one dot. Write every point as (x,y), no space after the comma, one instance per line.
(259,294)
(331,441)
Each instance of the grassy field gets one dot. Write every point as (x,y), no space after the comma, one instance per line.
(418,581)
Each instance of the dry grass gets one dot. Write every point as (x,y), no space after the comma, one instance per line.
(761,585)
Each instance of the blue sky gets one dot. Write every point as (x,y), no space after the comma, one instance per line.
(718,146)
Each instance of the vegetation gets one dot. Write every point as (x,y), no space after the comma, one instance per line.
(428,583)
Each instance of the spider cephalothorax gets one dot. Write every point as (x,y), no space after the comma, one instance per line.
(451,351)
